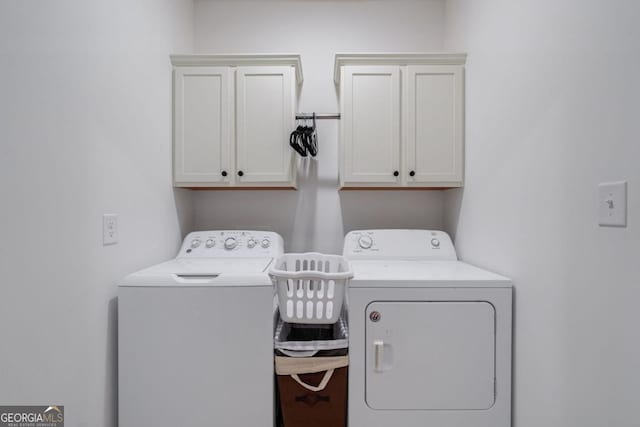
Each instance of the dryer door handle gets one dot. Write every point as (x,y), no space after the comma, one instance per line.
(378,350)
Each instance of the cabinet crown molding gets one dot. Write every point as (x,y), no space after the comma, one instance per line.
(395,59)
(242,59)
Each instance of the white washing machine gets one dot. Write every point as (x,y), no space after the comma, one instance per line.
(195,335)
(430,336)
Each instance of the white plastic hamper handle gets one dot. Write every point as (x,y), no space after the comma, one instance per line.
(378,347)
(319,387)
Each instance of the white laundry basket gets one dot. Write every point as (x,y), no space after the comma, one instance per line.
(311,286)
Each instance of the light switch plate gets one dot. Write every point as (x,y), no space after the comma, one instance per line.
(109,229)
(612,204)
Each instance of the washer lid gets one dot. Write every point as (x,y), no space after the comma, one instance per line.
(204,272)
(402,273)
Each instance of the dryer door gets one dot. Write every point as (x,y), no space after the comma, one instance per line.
(430,355)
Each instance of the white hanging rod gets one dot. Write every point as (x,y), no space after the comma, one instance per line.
(319,116)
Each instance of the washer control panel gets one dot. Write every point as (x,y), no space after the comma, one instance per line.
(232,244)
(399,244)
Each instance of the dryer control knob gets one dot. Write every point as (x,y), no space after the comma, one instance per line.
(251,243)
(435,243)
(230,243)
(365,242)
(195,243)
(265,243)
(210,243)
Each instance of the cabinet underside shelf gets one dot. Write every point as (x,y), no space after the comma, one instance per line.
(236,188)
(397,188)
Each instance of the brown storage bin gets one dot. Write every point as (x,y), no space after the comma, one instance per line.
(322,400)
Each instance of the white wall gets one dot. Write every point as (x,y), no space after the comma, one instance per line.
(552,110)
(317,216)
(85,119)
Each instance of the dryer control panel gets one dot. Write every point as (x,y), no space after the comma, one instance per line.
(399,244)
(232,244)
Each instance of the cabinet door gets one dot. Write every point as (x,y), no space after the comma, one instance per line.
(435,125)
(265,118)
(202,118)
(370,133)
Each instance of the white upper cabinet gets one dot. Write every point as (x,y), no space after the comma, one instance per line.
(435,124)
(371,124)
(232,118)
(265,117)
(402,120)
(202,124)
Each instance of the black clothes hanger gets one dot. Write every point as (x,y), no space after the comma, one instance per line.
(311,139)
(304,139)
(296,141)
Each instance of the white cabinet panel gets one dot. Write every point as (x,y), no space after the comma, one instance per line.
(448,365)
(202,108)
(402,119)
(435,122)
(371,125)
(265,118)
(233,114)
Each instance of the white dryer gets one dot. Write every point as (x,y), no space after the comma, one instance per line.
(430,336)
(195,335)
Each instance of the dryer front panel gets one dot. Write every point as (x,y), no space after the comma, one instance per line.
(430,355)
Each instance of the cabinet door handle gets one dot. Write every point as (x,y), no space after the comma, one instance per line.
(412,173)
(224,173)
(378,347)
(396,173)
(240,173)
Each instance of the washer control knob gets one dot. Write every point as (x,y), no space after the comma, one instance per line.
(210,243)
(195,243)
(265,243)
(230,243)
(365,242)
(251,243)
(435,243)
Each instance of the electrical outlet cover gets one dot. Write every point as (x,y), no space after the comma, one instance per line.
(612,204)
(109,229)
